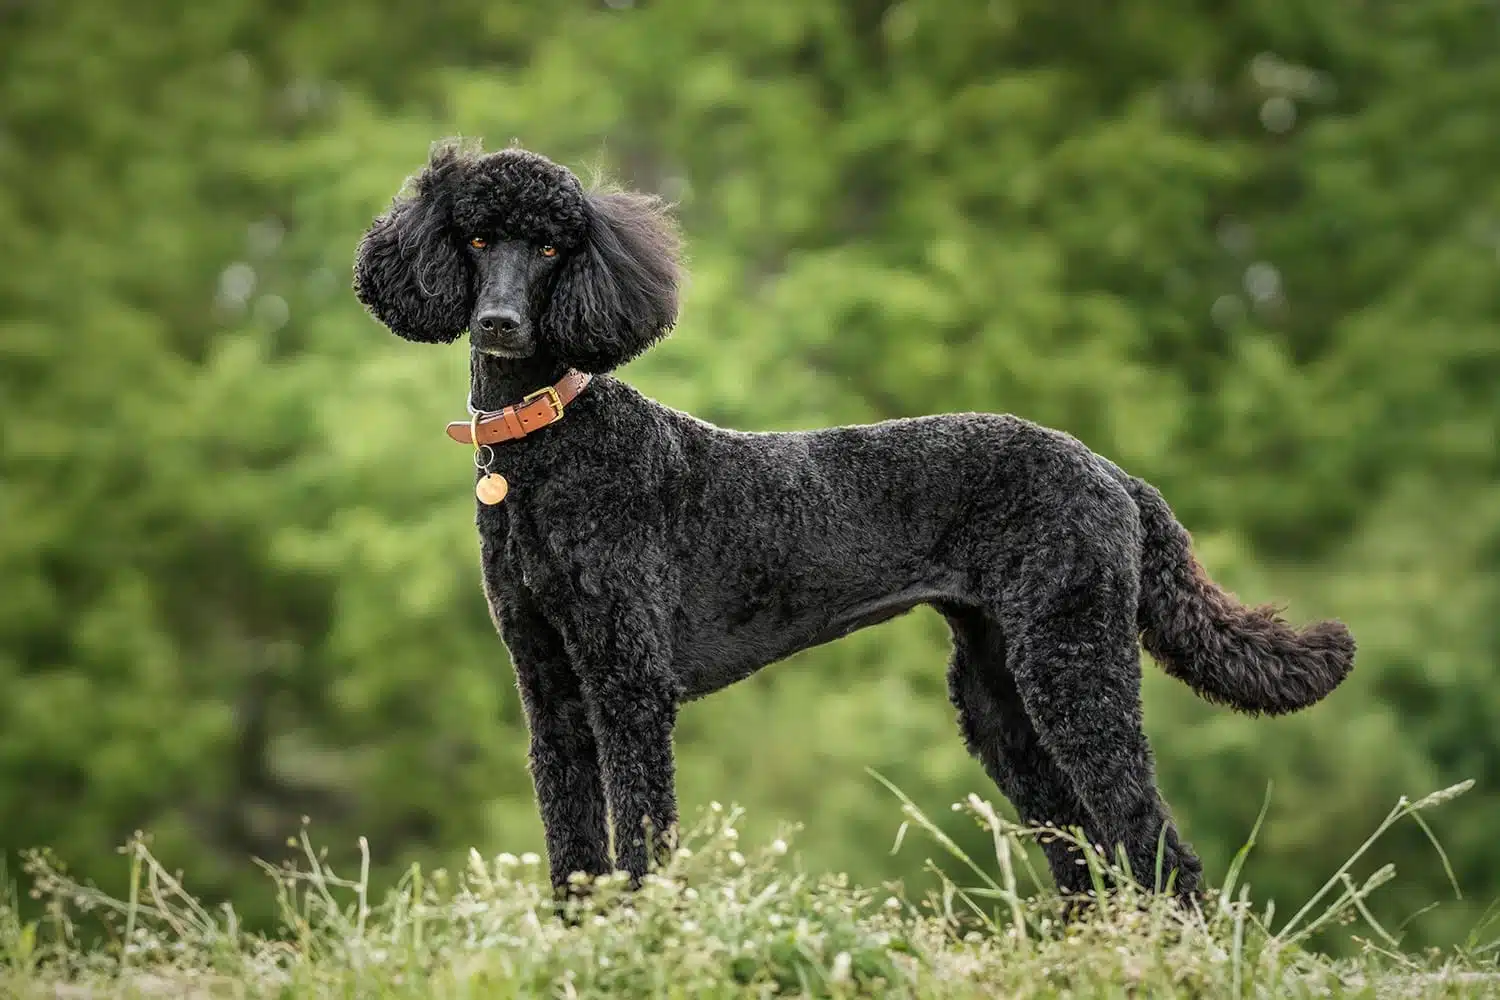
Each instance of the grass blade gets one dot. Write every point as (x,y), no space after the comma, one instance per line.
(1232,879)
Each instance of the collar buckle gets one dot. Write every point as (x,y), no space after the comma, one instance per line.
(550,391)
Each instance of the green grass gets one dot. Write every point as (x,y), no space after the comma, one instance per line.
(717,922)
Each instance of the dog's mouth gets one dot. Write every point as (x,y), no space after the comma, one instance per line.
(501,352)
(516,348)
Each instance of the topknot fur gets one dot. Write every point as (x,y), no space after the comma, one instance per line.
(515,194)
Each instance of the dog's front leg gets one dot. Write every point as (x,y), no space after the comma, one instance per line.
(632,705)
(563,756)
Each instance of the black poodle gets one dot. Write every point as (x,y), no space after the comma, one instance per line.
(644,557)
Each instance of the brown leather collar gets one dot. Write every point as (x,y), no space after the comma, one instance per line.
(510,423)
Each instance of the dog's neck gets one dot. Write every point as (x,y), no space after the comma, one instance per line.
(497,382)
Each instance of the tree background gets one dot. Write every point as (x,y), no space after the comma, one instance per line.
(1249,251)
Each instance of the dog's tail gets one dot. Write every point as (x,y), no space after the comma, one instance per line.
(1247,658)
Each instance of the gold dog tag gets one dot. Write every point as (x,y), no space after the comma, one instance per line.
(491,488)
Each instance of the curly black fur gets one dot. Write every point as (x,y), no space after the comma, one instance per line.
(645,558)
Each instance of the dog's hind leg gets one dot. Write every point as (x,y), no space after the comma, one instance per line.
(1069,618)
(999,734)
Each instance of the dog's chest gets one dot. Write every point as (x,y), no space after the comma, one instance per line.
(516,553)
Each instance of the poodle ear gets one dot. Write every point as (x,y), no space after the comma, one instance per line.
(616,293)
(408,270)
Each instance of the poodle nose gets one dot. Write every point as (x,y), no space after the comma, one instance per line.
(500,321)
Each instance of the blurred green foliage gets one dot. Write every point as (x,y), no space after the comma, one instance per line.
(1248,251)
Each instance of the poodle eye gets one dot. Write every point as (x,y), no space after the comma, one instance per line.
(478,242)
(547,251)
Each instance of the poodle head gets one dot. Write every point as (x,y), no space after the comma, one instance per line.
(511,247)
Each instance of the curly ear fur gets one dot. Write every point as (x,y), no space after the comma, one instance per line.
(616,294)
(408,271)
